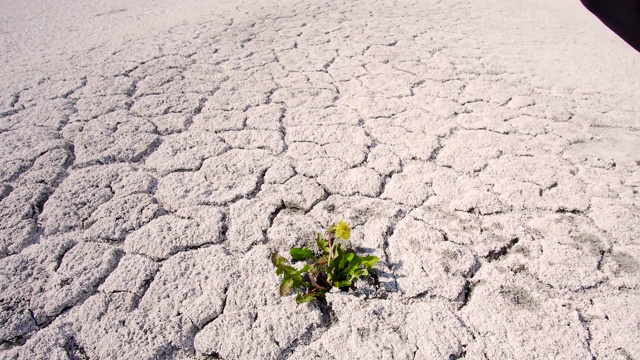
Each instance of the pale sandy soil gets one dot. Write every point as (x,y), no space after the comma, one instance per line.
(154,154)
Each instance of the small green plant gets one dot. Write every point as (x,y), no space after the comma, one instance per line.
(332,266)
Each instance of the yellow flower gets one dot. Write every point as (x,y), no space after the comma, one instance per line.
(342,230)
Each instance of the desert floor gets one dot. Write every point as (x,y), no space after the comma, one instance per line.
(153,155)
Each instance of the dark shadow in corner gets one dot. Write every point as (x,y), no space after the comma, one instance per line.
(621,16)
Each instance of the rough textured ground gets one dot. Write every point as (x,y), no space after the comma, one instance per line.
(152,157)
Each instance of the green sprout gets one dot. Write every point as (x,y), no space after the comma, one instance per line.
(332,266)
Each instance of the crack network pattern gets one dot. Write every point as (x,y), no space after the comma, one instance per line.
(141,195)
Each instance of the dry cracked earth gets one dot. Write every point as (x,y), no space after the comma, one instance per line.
(152,157)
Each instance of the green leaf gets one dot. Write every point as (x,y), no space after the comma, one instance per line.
(323,244)
(358,273)
(301,299)
(301,254)
(349,256)
(343,283)
(343,262)
(286,286)
(290,270)
(333,268)
(355,263)
(346,259)
(369,261)
(277,260)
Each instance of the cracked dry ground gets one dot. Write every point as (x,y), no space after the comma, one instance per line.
(143,192)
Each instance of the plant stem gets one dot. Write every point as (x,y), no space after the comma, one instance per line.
(330,238)
(315,284)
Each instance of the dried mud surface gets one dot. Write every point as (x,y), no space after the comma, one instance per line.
(153,157)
